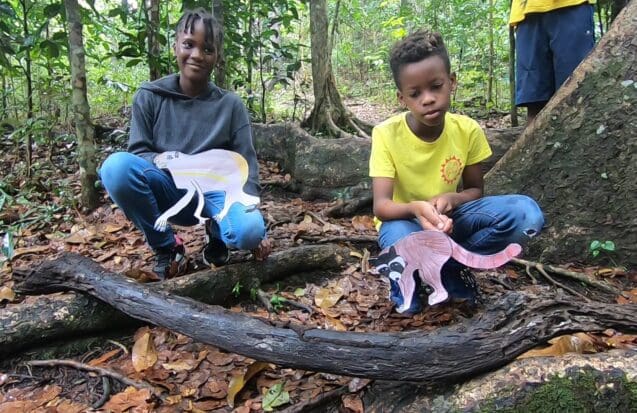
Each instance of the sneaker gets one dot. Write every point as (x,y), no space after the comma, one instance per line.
(460,283)
(215,252)
(170,261)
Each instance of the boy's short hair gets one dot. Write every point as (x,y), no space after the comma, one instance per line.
(416,47)
(214,31)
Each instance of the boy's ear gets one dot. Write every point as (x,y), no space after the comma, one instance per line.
(454,81)
(400,97)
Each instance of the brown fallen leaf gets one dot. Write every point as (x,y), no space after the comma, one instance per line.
(326,298)
(577,343)
(6,294)
(238,382)
(353,403)
(128,399)
(104,357)
(144,354)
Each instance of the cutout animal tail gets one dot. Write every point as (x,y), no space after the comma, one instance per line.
(161,223)
(484,262)
(200,203)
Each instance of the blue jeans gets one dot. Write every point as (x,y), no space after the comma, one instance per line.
(144,192)
(484,226)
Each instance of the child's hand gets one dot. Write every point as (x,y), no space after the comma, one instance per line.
(430,218)
(443,203)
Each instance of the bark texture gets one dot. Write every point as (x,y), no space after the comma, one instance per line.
(61,317)
(579,157)
(514,324)
(84,130)
(591,382)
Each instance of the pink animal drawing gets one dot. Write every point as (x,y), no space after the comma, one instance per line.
(427,251)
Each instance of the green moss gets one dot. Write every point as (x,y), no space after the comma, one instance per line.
(580,391)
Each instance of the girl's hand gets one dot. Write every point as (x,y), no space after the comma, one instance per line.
(429,217)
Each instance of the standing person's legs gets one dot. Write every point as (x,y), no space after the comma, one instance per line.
(571,32)
(534,83)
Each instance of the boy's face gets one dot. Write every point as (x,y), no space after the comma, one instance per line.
(425,89)
(195,57)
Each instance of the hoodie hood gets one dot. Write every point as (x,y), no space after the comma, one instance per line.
(168,86)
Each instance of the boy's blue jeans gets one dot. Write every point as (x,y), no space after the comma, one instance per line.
(484,226)
(144,192)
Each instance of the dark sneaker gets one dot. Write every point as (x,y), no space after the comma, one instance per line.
(215,252)
(171,261)
(460,283)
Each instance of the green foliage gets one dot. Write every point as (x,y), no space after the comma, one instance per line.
(236,290)
(274,397)
(597,247)
(277,302)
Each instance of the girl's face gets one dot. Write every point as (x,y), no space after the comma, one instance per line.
(195,57)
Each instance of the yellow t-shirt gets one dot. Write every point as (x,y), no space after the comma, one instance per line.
(520,8)
(422,170)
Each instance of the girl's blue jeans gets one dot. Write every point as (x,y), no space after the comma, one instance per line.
(143,192)
(484,226)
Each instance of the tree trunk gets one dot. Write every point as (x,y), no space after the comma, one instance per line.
(516,323)
(52,318)
(514,108)
(152,33)
(84,130)
(329,116)
(220,69)
(29,81)
(579,157)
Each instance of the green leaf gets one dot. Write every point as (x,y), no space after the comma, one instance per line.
(595,253)
(608,246)
(50,49)
(299,292)
(594,245)
(275,397)
(53,10)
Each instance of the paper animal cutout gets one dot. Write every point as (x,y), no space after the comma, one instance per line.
(213,170)
(427,251)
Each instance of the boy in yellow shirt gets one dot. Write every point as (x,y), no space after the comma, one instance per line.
(418,159)
(552,38)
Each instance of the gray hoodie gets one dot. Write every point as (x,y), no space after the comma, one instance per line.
(164,119)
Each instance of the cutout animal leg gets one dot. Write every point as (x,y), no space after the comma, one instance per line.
(407,287)
(200,203)
(161,223)
(485,262)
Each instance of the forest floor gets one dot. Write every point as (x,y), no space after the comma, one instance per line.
(40,214)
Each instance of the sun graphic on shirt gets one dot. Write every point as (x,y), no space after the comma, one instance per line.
(451,169)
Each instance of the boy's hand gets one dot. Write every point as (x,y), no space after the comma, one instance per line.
(430,218)
(444,203)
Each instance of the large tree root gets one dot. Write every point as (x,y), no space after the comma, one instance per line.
(515,323)
(66,316)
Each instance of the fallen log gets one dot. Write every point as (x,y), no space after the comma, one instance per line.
(515,323)
(580,382)
(66,316)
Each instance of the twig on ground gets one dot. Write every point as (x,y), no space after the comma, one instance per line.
(317,401)
(527,268)
(349,207)
(339,238)
(316,217)
(106,393)
(570,274)
(118,344)
(540,268)
(265,299)
(99,370)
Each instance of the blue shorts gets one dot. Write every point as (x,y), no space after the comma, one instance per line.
(549,46)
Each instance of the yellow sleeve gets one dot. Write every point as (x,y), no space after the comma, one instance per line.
(381,164)
(479,148)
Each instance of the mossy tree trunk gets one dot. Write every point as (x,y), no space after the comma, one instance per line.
(152,33)
(329,116)
(579,157)
(84,129)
